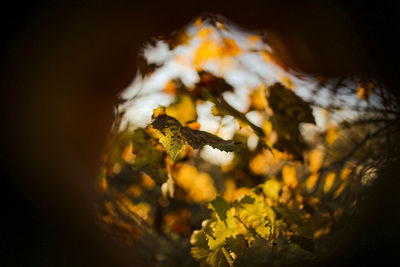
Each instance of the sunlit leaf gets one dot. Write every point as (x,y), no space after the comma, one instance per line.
(256,216)
(199,249)
(258,164)
(214,50)
(289,176)
(316,157)
(183,109)
(174,137)
(257,98)
(272,188)
(331,135)
(311,181)
(329,179)
(346,171)
(190,180)
(339,191)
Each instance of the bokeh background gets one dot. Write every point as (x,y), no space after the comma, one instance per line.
(64,64)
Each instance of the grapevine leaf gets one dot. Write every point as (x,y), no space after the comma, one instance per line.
(220,232)
(149,158)
(303,234)
(217,259)
(199,250)
(237,244)
(256,216)
(220,207)
(174,137)
(289,111)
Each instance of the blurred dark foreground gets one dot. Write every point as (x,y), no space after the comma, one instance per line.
(63,65)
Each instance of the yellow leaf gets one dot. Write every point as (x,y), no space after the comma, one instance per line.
(141,209)
(127,155)
(316,157)
(267,127)
(205,32)
(289,176)
(320,232)
(331,135)
(287,82)
(214,50)
(258,99)
(258,164)
(364,88)
(339,191)
(252,40)
(147,182)
(134,190)
(158,111)
(311,181)
(230,48)
(198,185)
(206,51)
(329,179)
(183,109)
(267,56)
(346,171)
(170,87)
(172,141)
(271,189)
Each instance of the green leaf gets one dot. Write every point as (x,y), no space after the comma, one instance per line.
(220,206)
(289,111)
(257,217)
(237,244)
(285,102)
(217,259)
(199,250)
(149,158)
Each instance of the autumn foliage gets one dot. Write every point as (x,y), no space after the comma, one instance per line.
(290,183)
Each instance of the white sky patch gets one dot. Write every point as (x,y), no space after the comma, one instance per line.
(157,54)
(216,156)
